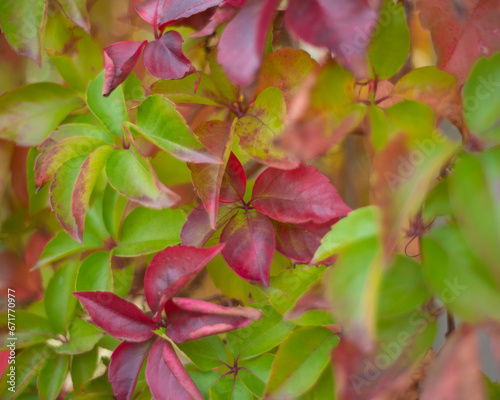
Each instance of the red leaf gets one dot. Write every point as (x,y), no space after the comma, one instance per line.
(217,136)
(220,16)
(250,242)
(125,365)
(197,229)
(460,40)
(297,196)
(159,13)
(344,27)
(242,42)
(170,270)
(164,58)
(119,60)
(234,182)
(163,383)
(190,319)
(118,317)
(300,242)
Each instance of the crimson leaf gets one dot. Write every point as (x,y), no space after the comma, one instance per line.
(164,59)
(125,365)
(234,182)
(297,196)
(118,317)
(190,319)
(250,241)
(170,270)
(119,60)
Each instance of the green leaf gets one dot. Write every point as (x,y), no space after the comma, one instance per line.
(52,376)
(481,98)
(259,130)
(203,380)
(300,360)
(28,363)
(21,22)
(162,125)
(416,119)
(223,390)
(227,281)
(76,11)
(377,125)
(60,246)
(391,37)
(59,303)
(228,90)
(95,273)
(334,89)
(38,200)
(458,277)
(82,338)
(206,353)
(111,110)
(122,280)
(146,231)
(29,329)
(29,113)
(259,370)
(132,88)
(313,318)
(83,367)
(324,389)
(475,201)
(359,224)
(260,336)
(128,175)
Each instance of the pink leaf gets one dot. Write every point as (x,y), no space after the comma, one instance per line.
(171,269)
(159,13)
(250,242)
(164,383)
(243,40)
(220,16)
(164,58)
(118,317)
(460,40)
(197,229)
(217,136)
(125,365)
(190,319)
(344,27)
(119,60)
(297,196)
(234,182)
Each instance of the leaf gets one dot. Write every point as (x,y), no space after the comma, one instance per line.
(125,365)
(342,27)
(300,360)
(242,42)
(227,281)
(197,229)
(285,69)
(481,98)
(456,374)
(52,376)
(29,113)
(128,176)
(59,304)
(119,60)
(234,182)
(90,171)
(459,42)
(260,336)
(95,273)
(166,376)
(30,329)
(82,369)
(297,196)
(82,338)
(170,271)
(249,245)
(118,317)
(360,224)
(224,389)
(76,11)
(259,129)
(146,231)
(60,246)
(22,23)
(207,178)
(162,125)
(110,110)
(206,353)
(190,319)
(164,59)
(256,374)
